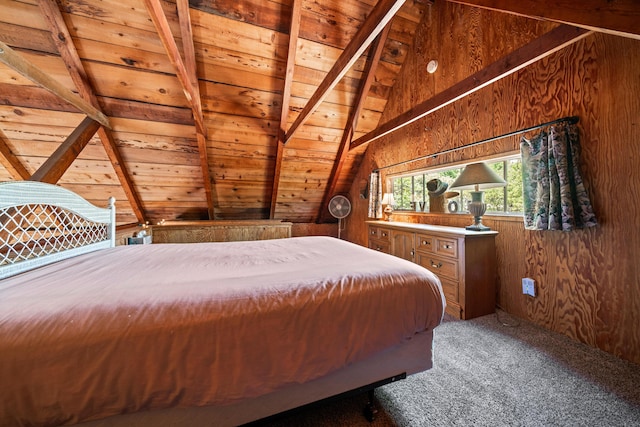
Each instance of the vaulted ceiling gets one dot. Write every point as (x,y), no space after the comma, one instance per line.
(196,109)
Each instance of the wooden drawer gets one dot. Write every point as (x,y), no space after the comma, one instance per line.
(379,245)
(447,247)
(450,290)
(454,309)
(426,243)
(438,245)
(442,267)
(379,233)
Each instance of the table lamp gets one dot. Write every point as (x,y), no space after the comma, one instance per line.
(387,200)
(477,177)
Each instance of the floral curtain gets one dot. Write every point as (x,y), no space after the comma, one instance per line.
(554,194)
(375,195)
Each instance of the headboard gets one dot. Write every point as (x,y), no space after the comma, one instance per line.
(43,223)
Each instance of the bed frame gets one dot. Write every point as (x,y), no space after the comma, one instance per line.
(42,223)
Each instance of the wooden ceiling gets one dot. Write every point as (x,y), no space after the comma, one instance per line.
(197,109)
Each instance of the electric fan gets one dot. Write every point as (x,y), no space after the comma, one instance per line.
(339,207)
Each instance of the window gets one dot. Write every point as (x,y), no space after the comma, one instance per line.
(410,192)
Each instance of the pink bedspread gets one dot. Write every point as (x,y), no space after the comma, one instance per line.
(154,326)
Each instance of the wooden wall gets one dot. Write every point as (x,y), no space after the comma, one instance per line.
(587,281)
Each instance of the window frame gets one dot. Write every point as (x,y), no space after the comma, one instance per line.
(428,173)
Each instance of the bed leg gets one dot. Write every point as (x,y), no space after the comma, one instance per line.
(370,410)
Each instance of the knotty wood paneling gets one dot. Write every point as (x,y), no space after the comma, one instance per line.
(240,49)
(587,280)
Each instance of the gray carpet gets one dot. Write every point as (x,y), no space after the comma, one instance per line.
(488,374)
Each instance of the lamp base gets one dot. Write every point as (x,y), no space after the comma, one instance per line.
(477,227)
(477,208)
(388,211)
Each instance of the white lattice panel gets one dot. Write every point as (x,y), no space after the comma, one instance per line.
(42,223)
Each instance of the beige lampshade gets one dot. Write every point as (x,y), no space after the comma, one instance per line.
(477,174)
(387,199)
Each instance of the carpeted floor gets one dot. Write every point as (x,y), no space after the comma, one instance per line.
(488,374)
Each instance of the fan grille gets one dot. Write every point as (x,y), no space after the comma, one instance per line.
(339,207)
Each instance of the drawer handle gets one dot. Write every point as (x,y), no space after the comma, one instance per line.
(413,252)
(434,265)
(448,246)
(378,248)
(426,243)
(373,232)
(384,234)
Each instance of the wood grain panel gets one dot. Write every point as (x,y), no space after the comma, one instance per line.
(587,281)
(137,85)
(245,38)
(239,101)
(219,231)
(112,11)
(27,38)
(22,14)
(143,127)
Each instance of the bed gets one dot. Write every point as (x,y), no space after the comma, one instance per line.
(216,334)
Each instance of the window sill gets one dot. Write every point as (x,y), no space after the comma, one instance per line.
(494,216)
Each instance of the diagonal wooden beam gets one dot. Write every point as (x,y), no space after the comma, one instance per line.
(369,73)
(154,7)
(543,46)
(619,17)
(64,43)
(11,162)
(294,30)
(191,69)
(58,163)
(184,18)
(381,14)
(11,58)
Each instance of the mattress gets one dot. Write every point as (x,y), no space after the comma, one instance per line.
(143,327)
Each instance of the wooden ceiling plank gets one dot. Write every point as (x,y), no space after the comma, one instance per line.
(58,163)
(12,59)
(63,41)
(184,19)
(154,7)
(539,48)
(343,150)
(294,30)
(130,109)
(11,162)
(33,97)
(618,17)
(381,14)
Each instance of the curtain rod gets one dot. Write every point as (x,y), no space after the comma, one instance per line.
(572,120)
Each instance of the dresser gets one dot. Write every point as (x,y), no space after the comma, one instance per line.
(463,260)
(220,231)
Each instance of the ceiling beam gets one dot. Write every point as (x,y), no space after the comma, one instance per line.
(618,17)
(294,30)
(57,164)
(368,77)
(187,75)
(381,14)
(11,162)
(64,43)
(539,48)
(186,33)
(12,59)
(154,7)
